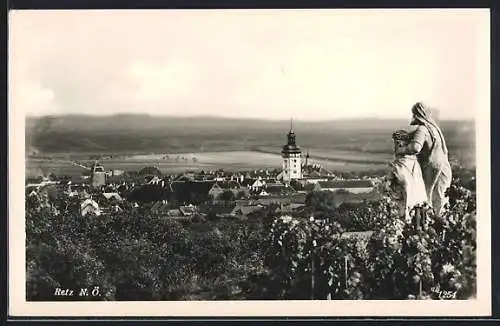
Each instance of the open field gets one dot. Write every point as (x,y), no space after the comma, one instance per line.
(229,161)
(132,142)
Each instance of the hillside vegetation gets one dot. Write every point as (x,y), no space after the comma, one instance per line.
(356,251)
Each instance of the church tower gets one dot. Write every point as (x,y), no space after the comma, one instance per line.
(291,158)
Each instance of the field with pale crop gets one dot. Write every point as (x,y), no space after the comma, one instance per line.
(175,163)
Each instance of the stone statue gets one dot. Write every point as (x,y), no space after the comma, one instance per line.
(405,178)
(428,144)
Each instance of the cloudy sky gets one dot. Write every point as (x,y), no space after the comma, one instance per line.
(266,64)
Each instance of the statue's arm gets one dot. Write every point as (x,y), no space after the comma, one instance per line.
(417,141)
(413,148)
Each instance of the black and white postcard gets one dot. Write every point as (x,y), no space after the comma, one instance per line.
(249,163)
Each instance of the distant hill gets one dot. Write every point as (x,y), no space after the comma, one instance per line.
(146,133)
(130,122)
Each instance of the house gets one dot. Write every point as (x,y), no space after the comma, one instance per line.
(315,177)
(174,213)
(277,189)
(244,202)
(89,206)
(274,200)
(33,194)
(262,193)
(160,207)
(117,172)
(183,178)
(254,184)
(199,178)
(354,186)
(247,182)
(216,190)
(71,192)
(290,207)
(188,210)
(154,179)
(117,209)
(241,211)
(112,196)
(220,187)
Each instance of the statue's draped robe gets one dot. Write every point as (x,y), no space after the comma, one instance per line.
(436,169)
(407,183)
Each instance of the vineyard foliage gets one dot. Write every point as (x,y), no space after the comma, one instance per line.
(362,251)
(429,257)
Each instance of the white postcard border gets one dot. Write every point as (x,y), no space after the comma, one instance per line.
(481,306)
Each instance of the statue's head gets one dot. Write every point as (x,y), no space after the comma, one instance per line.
(400,137)
(419,114)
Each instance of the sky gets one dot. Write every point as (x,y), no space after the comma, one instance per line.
(276,64)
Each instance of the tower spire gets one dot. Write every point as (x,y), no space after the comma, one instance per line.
(291,124)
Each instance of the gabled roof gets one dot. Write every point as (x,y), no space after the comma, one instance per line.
(216,186)
(229,184)
(294,206)
(159,206)
(174,212)
(152,179)
(247,182)
(245,210)
(187,210)
(274,184)
(257,181)
(89,202)
(314,174)
(109,195)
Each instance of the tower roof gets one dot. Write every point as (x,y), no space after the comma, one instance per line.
(291,146)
